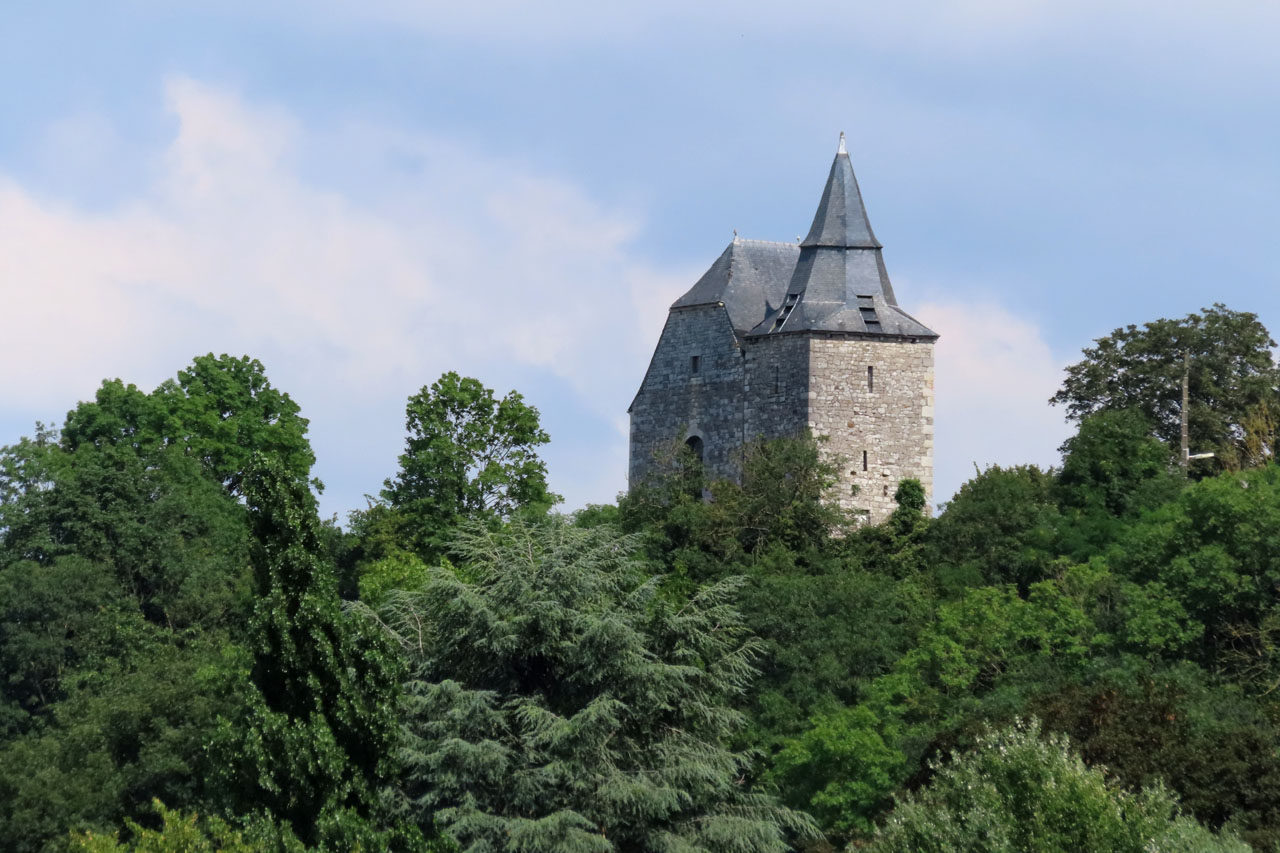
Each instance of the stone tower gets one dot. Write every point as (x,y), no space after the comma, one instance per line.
(778,337)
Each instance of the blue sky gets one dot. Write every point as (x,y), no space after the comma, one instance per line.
(365,195)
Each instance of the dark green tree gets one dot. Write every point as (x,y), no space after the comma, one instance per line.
(1215,748)
(468,455)
(558,702)
(316,742)
(1001,527)
(1232,377)
(780,503)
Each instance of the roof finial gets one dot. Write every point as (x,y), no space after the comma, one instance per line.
(842,149)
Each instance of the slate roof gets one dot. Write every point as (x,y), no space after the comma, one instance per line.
(833,281)
(750,277)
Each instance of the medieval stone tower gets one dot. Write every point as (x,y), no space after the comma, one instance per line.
(779,337)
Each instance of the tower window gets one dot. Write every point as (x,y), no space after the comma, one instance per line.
(871,378)
(693,363)
(777,379)
(864,460)
(694,443)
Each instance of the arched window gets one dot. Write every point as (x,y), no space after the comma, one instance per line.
(694,443)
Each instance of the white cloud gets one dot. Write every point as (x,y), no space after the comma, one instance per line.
(352,298)
(440,258)
(994,374)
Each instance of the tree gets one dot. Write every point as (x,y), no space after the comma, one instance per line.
(315,744)
(558,702)
(1001,527)
(220,411)
(1232,377)
(1216,749)
(709,527)
(1020,791)
(468,456)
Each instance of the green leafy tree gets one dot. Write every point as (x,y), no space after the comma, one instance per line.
(226,410)
(220,411)
(468,455)
(1113,466)
(1017,791)
(314,746)
(1232,376)
(1001,527)
(558,702)
(1215,551)
(1214,747)
(842,770)
(779,504)
(129,730)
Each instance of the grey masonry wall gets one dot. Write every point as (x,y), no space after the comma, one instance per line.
(889,419)
(776,388)
(675,402)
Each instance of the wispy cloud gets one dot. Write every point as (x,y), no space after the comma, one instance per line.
(450,259)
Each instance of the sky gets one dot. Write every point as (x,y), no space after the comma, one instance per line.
(364,195)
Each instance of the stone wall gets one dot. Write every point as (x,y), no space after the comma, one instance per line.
(776,388)
(676,402)
(890,420)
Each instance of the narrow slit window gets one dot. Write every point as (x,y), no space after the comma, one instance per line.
(871,378)
(777,379)
(693,363)
(864,460)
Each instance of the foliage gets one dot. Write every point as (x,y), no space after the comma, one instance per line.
(1001,527)
(557,701)
(703,527)
(128,732)
(468,455)
(1217,750)
(219,411)
(1113,466)
(1232,375)
(1216,549)
(178,833)
(842,769)
(1018,791)
(312,747)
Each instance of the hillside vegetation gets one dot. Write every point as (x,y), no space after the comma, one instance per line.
(1081,658)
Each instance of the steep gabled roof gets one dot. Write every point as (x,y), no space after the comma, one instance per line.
(840,283)
(750,277)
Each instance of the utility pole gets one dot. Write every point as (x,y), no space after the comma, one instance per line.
(1185,455)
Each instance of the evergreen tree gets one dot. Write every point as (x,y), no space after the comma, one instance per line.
(558,702)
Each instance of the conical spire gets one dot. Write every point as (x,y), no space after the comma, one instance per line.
(840,283)
(841,221)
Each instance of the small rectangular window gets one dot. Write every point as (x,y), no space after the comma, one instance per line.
(693,363)
(871,378)
(864,460)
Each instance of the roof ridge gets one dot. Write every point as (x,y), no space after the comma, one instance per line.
(768,242)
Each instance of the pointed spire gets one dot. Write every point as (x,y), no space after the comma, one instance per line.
(841,221)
